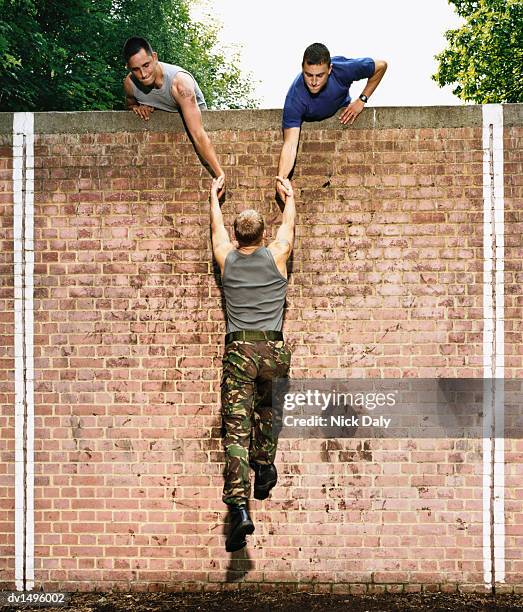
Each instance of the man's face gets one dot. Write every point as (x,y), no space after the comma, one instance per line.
(316,76)
(143,66)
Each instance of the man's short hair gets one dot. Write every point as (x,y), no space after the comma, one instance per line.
(316,54)
(248,227)
(135,44)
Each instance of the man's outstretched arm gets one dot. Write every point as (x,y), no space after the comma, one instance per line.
(281,247)
(350,113)
(221,243)
(183,92)
(291,138)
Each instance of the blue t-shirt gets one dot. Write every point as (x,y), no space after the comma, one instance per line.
(301,105)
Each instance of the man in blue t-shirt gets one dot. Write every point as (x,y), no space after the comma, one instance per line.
(319,92)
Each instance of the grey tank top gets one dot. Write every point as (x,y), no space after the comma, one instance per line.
(254,291)
(161,98)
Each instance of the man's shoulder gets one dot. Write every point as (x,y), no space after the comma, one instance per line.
(183,82)
(352,68)
(296,90)
(295,105)
(183,77)
(339,62)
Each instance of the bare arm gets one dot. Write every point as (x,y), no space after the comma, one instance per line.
(132,103)
(221,243)
(350,113)
(183,92)
(291,138)
(281,247)
(380,66)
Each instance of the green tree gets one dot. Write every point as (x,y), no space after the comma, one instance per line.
(57,55)
(484,58)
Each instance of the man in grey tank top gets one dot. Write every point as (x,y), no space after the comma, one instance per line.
(254,279)
(152,84)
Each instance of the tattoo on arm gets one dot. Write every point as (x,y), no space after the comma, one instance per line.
(185,92)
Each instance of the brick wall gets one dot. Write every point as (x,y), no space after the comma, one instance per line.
(387,281)
(513,145)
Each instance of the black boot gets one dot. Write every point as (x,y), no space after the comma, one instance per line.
(240,525)
(265,478)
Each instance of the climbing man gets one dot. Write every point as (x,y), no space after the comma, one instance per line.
(153,84)
(254,279)
(318,92)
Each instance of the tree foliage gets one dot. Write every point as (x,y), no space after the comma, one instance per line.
(484,58)
(67,55)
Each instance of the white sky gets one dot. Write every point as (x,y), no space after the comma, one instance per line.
(273,34)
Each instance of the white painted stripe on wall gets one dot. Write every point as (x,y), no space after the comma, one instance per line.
(29,348)
(23,236)
(493,347)
(18,177)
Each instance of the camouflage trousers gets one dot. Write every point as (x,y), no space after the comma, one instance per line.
(246,392)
